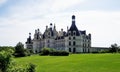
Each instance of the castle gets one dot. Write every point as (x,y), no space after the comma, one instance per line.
(74,40)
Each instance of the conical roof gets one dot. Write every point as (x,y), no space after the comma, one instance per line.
(74,27)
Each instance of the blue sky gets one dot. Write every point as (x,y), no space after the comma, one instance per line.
(101,18)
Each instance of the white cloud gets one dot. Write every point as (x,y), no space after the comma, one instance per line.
(25,18)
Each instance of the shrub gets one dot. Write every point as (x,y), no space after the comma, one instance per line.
(104,51)
(8,65)
(46,51)
(27,52)
(95,52)
(20,68)
(52,52)
(59,53)
(5,59)
(31,68)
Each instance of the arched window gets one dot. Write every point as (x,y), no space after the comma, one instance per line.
(73,37)
(74,33)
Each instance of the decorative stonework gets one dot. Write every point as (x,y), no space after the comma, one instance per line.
(74,40)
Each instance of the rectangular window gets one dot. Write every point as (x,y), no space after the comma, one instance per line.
(69,49)
(74,43)
(69,43)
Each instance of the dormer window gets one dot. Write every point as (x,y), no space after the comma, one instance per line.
(74,33)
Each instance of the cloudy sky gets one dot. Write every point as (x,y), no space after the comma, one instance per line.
(101,18)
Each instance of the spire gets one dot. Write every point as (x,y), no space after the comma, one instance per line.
(50,25)
(54,26)
(29,39)
(46,27)
(73,18)
(74,27)
(29,35)
(38,30)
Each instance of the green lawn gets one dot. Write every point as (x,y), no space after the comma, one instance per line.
(74,63)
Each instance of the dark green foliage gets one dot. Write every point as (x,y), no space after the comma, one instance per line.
(59,53)
(20,68)
(114,48)
(31,68)
(8,65)
(104,51)
(5,59)
(52,52)
(20,51)
(95,52)
(6,48)
(46,51)
(27,52)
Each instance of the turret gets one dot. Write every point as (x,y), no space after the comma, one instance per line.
(29,39)
(30,35)
(89,36)
(54,27)
(73,19)
(46,27)
(51,26)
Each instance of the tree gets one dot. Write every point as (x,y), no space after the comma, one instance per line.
(114,48)
(19,50)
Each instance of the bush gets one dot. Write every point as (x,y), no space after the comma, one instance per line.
(27,52)
(46,51)
(5,59)
(59,53)
(95,52)
(31,68)
(53,52)
(104,51)
(20,68)
(8,65)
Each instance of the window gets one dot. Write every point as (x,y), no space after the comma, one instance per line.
(83,45)
(74,50)
(74,43)
(73,37)
(69,43)
(74,33)
(69,49)
(69,38)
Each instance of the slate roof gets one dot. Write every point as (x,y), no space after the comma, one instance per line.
(74,27)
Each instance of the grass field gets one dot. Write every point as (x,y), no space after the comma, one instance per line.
(74,63)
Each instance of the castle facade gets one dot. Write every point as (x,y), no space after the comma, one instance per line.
(73,40)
